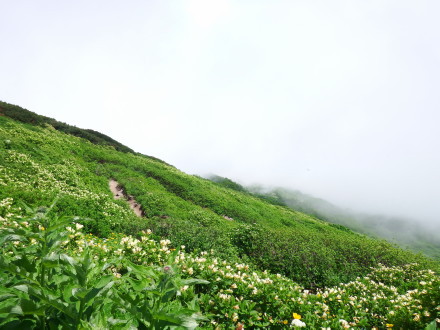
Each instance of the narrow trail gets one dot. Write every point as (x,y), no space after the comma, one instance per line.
(119,193)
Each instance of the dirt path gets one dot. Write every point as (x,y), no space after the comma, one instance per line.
(119,193)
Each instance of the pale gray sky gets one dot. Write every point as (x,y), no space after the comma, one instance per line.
(339,99)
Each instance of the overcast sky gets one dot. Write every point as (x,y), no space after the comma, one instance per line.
(339,99)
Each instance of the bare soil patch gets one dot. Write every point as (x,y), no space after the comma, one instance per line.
(119,193)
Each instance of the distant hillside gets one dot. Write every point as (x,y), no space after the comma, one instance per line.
(404,232)
(256,191)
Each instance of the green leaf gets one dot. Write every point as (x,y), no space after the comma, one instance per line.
(96,291)
(22,287)
(191,322)
(16,310)
(67,259)
(104,280)
(169,318)
(68,293)
(169,295)
(7,305)
(6,296)
(182,317)
(192,281)
(30,308)
(59,224)
(16,324)
(137,285)
(11,238)
(51,260)
(24,262)
(79,293)
(49,298)
(431,326)
(141,271)
(81,274)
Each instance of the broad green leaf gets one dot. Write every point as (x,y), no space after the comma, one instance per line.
(81,274)
(6,296)
(13,323)
(26,263)
(68,293)
(68,259)
(141,270)
(6,305)
(431,326)
(30,308)
(79,293)
(191,322)
(104,280)
(50,299)
(181,318)
(51,260)
(137,285)
(169,295)
(22,287)
(191,281)
(11,238)
(16,310)
(60,224)
(114,321)
(96,291)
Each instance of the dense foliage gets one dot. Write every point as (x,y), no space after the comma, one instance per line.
(54,275)
(49,279)
(248,235)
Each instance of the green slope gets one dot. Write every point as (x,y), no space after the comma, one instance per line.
(26,116)
(39,163)
(406,233)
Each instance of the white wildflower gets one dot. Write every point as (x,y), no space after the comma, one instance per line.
(298,323)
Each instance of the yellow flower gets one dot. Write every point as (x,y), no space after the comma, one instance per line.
(390,325)
(285,322)
(296,316)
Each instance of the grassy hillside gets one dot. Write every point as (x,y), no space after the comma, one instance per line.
(40,164)
(404,232)
(26,116)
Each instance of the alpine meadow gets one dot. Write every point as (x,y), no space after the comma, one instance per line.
(202,254)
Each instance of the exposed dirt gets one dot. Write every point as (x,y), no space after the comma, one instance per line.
(119,193)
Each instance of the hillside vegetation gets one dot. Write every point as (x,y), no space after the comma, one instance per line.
(236,241)
(406,233)
(26,116)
